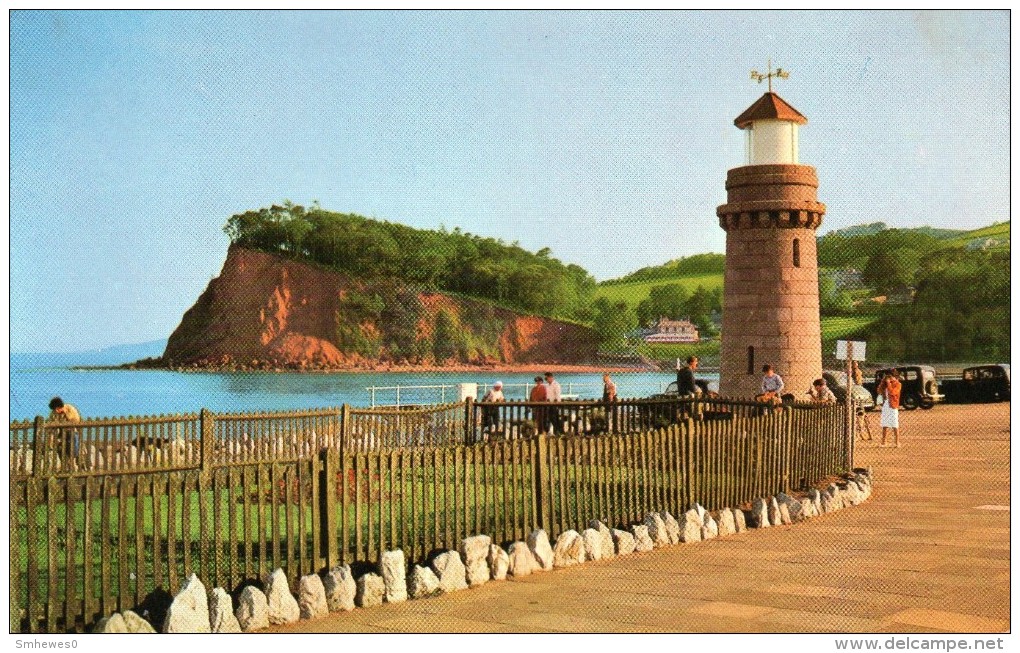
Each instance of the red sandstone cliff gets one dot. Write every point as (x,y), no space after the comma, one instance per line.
(264,311)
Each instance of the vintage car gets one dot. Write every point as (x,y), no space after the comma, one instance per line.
(663,414)
(920,386)
(981,383)
(836,380)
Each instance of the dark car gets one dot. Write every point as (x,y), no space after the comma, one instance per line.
(978,384)
(660,415)
(836,380)
(920,386)
(670,390)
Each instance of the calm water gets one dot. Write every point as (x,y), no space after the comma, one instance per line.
(109,393)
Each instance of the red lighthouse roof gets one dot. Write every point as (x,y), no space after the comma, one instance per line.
(769,107)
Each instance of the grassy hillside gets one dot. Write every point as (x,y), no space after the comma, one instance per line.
(996,231)
(635,291)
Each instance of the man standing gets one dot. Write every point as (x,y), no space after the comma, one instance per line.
(490,414)
(889,390)
(609,397)
(539,393)
(555,394)
(65,439)
(685,385)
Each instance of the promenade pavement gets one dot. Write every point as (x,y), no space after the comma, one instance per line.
(929,552)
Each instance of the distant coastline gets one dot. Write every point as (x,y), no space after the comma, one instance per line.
(515,368)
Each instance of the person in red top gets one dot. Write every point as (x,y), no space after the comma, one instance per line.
(539,393)
(889,390)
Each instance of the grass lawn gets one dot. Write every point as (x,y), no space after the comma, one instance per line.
(634,292)
(998,231)
(839,328)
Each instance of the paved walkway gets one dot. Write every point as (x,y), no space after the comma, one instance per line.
(929,552)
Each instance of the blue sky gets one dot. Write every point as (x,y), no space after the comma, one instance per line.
(604,136)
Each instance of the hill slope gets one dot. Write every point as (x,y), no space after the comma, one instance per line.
(267,312)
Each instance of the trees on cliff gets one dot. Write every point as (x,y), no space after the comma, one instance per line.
(442,260)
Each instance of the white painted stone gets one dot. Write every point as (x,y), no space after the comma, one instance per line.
(623,541)
(642,540)
(112,624)
(569,549)
(807,509)
(672,527)
(394,574)
(371,591)
(136,624)
(340,588)
(450,571)
(711,529)
(760,513)
(252,609)
(521,561)
(828,503)
(423,582)
(221,613)
(283,607)
(592,544)
(690,526)
(608,549)
(836,496)
(854,493)
(656,529)
(189,611)
(475,550)
(793,507)
(727,525)
(538,542)
(312,597)
(784,514)
(498,561)
(701,513)
(739,520)
(775,518)
(816,500)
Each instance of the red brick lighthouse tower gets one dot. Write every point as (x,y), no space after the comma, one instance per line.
(770,298)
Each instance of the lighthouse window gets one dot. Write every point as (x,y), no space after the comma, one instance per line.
(750,360)
(796,252)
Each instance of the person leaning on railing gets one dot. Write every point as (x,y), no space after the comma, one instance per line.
(64,439)
(609,398)
(490,413)
(820,393)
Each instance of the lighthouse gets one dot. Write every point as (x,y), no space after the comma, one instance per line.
(770,297)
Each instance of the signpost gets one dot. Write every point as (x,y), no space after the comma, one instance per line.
(849,351)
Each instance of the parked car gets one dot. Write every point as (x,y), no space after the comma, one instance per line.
(920,386)
(981,383)
(836,380)
(671,389)
(661,415)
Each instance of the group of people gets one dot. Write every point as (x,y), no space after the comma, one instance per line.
(545,390)
(888,391)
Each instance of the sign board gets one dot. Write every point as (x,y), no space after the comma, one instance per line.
(465,390)
(859,347)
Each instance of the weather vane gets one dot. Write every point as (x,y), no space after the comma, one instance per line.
(779,73)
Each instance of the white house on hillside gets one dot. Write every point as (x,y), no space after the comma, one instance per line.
(667,330)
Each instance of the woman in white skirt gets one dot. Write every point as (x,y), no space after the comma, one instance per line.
(889,390)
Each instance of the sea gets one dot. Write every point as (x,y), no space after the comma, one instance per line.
(116,393)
